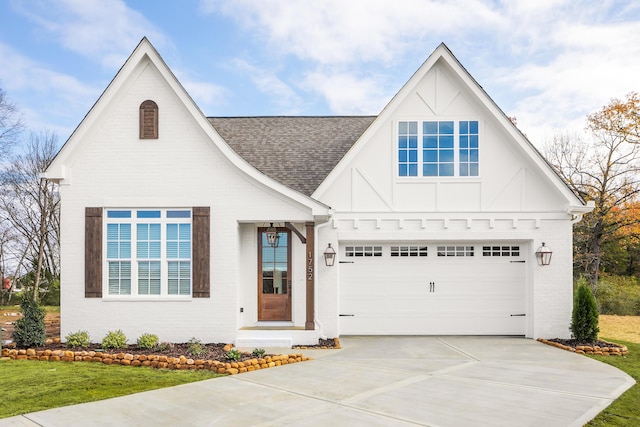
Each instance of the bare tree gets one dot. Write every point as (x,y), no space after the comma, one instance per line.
(10,125)
(603,169)
(31,205)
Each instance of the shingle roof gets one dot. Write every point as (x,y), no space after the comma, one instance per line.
(299,152)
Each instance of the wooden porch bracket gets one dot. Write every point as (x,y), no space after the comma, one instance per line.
(295,231)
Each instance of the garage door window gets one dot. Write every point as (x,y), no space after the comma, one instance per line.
(362,251)
(455,251)
(400,251)
(495,251)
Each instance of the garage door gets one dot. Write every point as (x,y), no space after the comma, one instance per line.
(432,289)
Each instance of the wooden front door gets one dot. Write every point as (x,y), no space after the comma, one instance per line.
(274,276)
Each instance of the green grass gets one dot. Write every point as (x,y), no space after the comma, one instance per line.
(29,386)
(625,411)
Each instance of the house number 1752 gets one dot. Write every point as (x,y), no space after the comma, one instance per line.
(309,266)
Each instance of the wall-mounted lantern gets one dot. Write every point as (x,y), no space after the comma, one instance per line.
(329,256)
(272,236)
(543,255)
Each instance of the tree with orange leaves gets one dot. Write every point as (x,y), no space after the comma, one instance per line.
(605,169)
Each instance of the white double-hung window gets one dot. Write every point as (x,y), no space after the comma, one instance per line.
(438,148)
(148,252)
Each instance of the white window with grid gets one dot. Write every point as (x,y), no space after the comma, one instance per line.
(148,252)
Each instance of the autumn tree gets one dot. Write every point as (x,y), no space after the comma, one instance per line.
(621,255)
(620,118)
(603,168)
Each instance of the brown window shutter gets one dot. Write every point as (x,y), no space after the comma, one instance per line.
(148,120)
(201,258)
(93,253)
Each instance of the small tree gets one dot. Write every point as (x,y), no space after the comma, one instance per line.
(30,330)
(584,319)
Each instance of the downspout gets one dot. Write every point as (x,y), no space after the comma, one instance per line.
(577,212)
(576,218)
(317,288)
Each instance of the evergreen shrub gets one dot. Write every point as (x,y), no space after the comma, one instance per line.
(30,329)
(584,319)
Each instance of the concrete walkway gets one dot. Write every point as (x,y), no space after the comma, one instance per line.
(378,381)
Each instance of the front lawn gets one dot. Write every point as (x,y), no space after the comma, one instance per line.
(625,411)
(29,386)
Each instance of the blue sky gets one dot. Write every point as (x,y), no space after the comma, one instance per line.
(546,62)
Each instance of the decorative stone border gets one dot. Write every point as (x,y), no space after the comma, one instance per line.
(336,346)
(154,361)
(612,350)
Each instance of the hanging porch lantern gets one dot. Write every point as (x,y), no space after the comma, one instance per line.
(543,255)
(329,256)
(272,236)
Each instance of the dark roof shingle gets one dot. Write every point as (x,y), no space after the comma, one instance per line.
(299,152)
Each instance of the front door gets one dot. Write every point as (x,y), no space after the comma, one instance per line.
(274,276)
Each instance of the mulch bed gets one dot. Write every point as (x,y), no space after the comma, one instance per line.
(215,352)
(211,351)
(600,348)
(576,343)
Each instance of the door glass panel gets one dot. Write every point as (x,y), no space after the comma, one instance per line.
(275,265)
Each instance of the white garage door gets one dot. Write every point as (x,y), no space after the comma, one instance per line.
(432,289)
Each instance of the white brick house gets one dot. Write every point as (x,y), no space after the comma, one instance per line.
(435,208)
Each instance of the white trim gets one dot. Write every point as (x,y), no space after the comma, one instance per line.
(442,53)
(146,52)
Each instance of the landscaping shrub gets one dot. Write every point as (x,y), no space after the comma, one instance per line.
(78,339)
(30,330)
(233,354)
(258,352)
(584,319)
(196,347)
(114,339)
(165,346)
(147,341)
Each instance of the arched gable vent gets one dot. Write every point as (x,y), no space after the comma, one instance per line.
(148,120)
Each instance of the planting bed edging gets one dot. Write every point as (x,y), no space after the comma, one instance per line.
(613,350)
(335,346)
(154,361)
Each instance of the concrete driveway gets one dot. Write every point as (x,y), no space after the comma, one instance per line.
(378,381)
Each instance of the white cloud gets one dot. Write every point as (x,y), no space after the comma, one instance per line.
(337,31)
(268,82)
(347,93)
(61,97)
(586,65)
(207,96)
(103,30)
(338,42)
